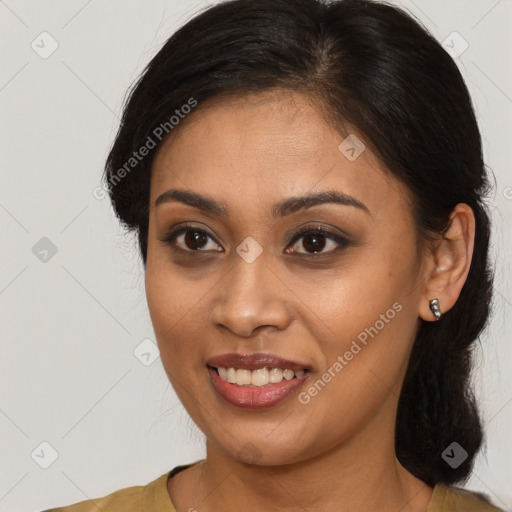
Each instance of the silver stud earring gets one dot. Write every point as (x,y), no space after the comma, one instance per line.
(435,308)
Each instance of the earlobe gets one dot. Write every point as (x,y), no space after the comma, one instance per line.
(435,307)
(450,259)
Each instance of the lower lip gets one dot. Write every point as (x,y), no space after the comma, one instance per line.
(254,397)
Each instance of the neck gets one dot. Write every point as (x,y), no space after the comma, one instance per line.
(312,485)
(363,474)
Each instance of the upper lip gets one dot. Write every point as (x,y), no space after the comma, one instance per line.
(254,362)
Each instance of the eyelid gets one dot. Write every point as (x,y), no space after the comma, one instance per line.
(334,234)
(341,240)
(174,231)
(305,228)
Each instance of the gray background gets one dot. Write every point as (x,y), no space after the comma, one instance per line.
(72,320)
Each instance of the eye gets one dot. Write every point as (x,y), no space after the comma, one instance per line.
(315,240)
(191,239)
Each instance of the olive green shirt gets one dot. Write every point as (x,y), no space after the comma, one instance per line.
(154,497)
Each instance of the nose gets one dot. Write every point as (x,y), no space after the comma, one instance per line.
(249,298)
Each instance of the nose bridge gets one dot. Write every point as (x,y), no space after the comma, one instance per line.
(249,276)
(248,297)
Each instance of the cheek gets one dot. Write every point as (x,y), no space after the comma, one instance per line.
(169,298)
(369,318)
(364,368)
(172,311)
(174,315)
(357,295)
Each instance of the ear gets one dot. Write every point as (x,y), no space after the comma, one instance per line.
(447,262)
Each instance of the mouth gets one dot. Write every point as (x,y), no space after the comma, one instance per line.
(255,381)
(257,378)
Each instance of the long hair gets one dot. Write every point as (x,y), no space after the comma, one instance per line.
(374,66)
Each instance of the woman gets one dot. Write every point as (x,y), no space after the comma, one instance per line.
(307,185)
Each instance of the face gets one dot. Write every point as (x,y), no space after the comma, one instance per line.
(325,289)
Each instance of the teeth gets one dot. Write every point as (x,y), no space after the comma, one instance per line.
(276,375)
(258,378)
(231,375)
(288,374)
(243,377)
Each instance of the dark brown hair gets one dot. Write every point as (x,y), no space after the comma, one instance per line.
(374,66)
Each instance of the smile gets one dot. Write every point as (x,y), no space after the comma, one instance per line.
(257,378)
(255,381)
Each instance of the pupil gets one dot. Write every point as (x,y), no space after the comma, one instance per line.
(315,245)
(195,237)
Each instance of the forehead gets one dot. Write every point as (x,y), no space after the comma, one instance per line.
(266,146)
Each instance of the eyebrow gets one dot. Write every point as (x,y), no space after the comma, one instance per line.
(280,209)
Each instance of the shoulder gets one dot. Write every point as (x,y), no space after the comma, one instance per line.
(456,499)
(129,499)
(125,500)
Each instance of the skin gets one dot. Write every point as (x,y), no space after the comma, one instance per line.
(337,451)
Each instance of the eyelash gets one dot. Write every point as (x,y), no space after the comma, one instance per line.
(343,242)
